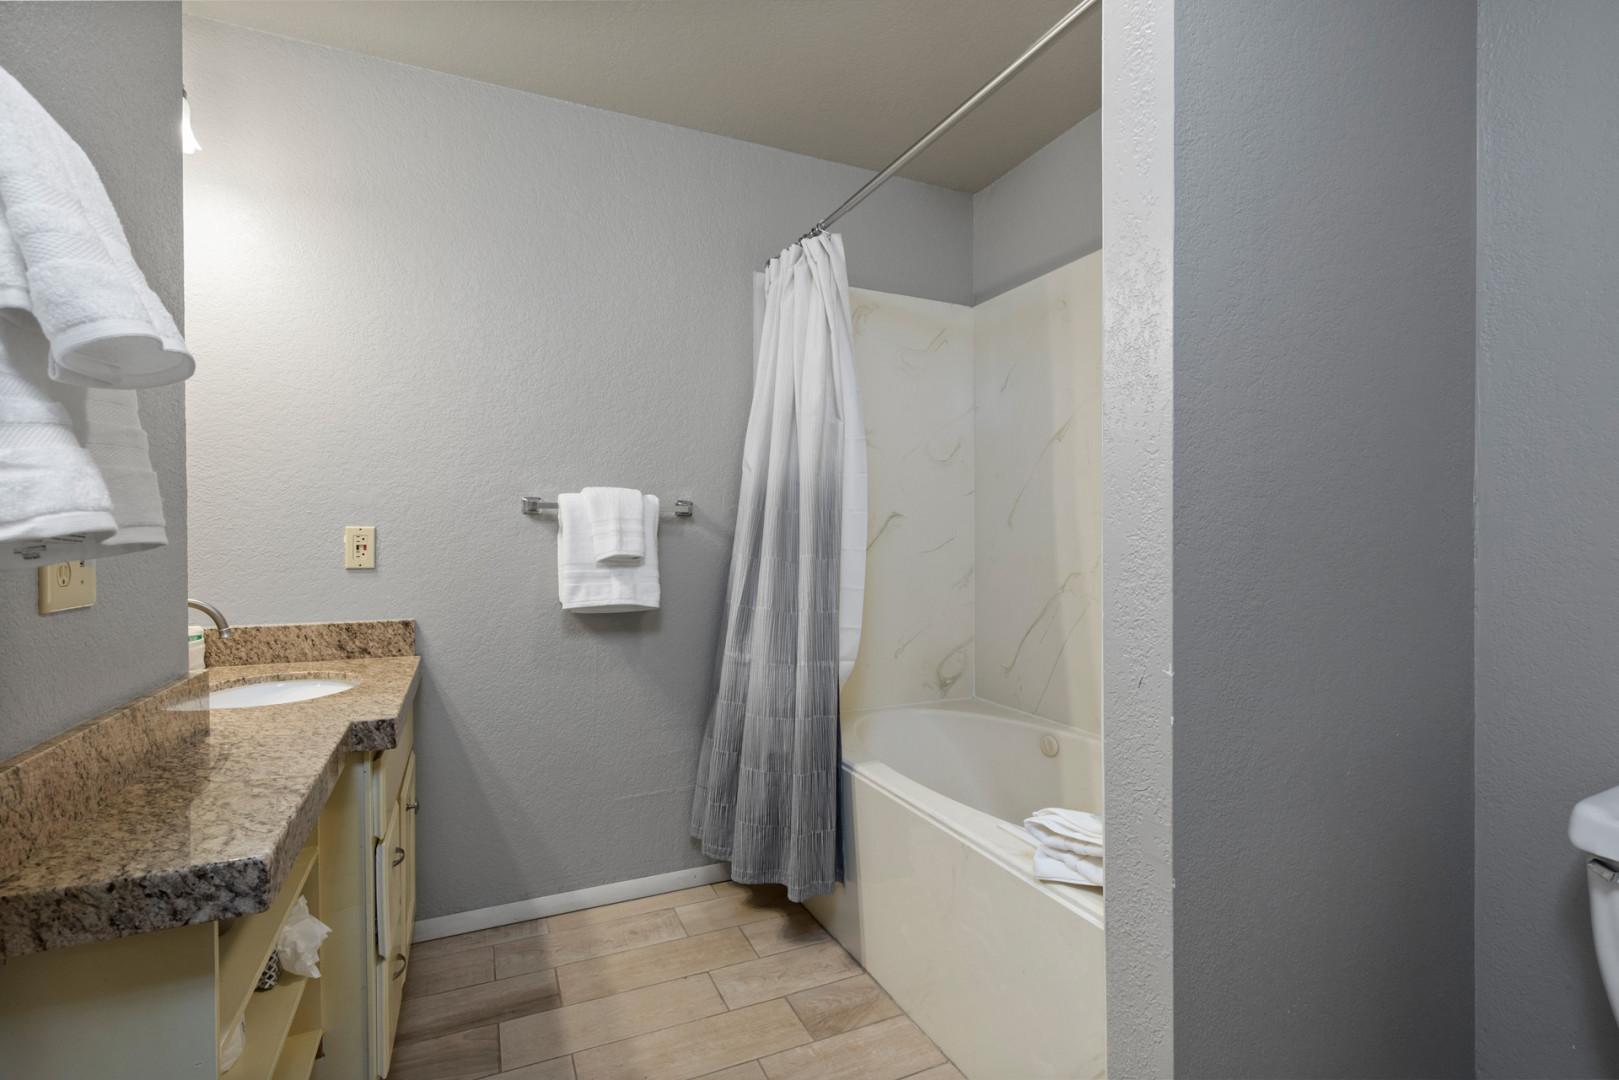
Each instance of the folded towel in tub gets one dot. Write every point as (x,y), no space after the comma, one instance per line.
(1067,845)
(1067,869)
(1074,831)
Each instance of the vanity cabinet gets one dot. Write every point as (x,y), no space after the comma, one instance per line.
(158,1005)
(394,907)
(375,822)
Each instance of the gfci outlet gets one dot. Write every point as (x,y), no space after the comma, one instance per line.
(64,586)
(360,547)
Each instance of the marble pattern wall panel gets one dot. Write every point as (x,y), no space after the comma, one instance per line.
(1038,447)
(914,362)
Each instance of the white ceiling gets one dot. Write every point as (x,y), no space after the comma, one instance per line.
(854,81)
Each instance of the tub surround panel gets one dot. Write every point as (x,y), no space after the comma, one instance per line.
(983,429)
(212,819)
(991,997)
(914,363)
(1038,440)
(1011,774)
(286,643)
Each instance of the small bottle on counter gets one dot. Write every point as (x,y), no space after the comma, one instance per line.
(194,642)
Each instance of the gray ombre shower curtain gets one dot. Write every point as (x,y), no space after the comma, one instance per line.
(767,780)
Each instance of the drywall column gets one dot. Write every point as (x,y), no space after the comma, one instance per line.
(1138,218)
(1323,538)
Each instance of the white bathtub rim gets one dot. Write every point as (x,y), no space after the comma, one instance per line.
(853,719)
(979,831)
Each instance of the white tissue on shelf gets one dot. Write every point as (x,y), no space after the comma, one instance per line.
(300,941)
(231,1047)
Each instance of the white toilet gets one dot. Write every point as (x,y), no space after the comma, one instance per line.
(1594,829)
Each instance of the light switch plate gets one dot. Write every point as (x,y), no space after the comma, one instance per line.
(360,547)
(65,586)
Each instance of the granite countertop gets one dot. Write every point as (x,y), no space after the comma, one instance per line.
(153,817)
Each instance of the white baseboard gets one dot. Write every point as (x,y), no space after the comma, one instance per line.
(464,922)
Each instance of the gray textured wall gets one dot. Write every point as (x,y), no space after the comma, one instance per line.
(1323,538)
(1548,518)
(1045,213)
(110,74)
(423,296)
(1138,62)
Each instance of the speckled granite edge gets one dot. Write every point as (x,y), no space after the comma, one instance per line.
(210,826)
(206,892)
(295,643)
(48,789)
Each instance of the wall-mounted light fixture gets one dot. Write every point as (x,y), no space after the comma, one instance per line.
(188,138)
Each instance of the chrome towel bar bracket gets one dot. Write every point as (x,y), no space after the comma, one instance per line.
(539,504)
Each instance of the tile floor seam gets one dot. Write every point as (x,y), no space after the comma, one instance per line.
(637,989)
(648,1031)
(757,955)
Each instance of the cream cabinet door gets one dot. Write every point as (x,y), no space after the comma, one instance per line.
(407,840)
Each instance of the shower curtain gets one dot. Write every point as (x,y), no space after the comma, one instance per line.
(767,779)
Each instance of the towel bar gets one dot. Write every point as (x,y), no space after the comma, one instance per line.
(539,504)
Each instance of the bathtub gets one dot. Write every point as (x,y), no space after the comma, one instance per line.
(1003,972)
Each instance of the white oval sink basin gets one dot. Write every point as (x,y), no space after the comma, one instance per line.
(280,692)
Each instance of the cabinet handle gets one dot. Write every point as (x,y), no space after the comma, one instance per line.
(412,806)
(399,855)
(400,959)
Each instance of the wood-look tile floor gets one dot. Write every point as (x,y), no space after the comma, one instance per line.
(720,982)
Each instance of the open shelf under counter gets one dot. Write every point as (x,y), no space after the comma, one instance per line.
(245,945)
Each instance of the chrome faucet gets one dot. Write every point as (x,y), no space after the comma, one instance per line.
(215,614)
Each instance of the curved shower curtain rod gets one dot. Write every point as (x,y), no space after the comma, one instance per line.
(952,120)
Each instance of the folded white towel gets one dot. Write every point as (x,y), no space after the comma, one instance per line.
(64,257)
(49,486)
(1073,831)
(583,584)
(617,524)
(1067,869)
(109,425)
(1067,845)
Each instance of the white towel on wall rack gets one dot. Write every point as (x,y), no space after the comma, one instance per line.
(617,524)
(583,584)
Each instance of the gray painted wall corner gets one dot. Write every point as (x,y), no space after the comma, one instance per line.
(1043,213)
(1137,458)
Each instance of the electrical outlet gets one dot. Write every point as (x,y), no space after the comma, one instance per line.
(64,586)
(360,547)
